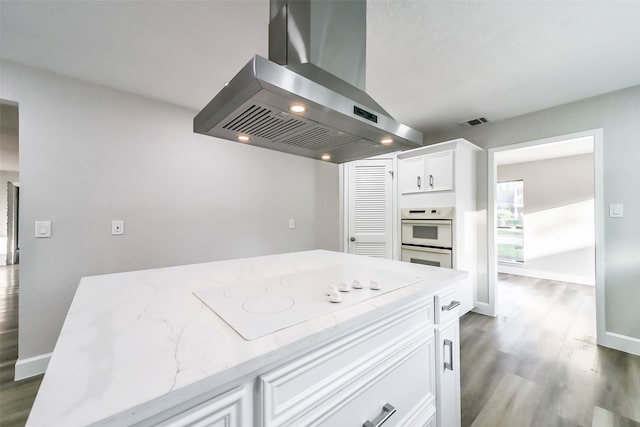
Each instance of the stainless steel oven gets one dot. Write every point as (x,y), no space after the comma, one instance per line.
(427,236)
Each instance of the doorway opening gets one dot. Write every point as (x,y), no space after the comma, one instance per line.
(9,184)
(545,213)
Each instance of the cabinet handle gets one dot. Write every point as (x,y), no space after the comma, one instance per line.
(449,364)
(352,239)
(431,180)
(387,410)
(451,306)
(419,180)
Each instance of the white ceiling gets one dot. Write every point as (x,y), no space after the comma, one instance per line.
(431,64)
(552,150)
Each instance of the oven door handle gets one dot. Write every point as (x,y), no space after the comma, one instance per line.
(427,249)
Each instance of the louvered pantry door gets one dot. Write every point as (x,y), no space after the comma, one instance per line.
(370,208)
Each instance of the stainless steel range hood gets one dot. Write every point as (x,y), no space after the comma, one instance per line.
(316,64)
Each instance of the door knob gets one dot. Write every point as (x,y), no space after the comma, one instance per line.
(353,239)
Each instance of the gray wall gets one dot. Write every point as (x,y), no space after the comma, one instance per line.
(89,154)
(558,214)
(552,183)
(618,114)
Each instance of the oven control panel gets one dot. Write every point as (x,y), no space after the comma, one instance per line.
(427,213)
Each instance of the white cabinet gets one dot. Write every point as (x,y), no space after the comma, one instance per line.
(453,165)
(448,375)
(439,171)
(385,370)
(433,172)
(229,409)
(411,175)
(447,359)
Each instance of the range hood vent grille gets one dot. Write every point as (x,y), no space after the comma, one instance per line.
(260,121)
(317,138)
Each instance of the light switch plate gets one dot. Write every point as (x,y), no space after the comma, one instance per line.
(117,227)
(292,223)
(616,210)
(43,229)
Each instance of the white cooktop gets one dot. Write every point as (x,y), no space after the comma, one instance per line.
(258,308)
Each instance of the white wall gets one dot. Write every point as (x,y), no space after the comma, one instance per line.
(90,154)
(618,114)
(558,217)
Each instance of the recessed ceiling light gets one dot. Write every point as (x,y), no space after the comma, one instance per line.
(387,141)
(243,138)
(297,108)
(326,156)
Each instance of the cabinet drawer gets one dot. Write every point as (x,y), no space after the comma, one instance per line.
(316,378)
(230,409)
(401,382)
(446,305)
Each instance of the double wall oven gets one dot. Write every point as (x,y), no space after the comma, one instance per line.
(427,236)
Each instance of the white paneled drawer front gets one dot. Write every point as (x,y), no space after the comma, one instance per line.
(350,380)
(231,409)
(446,305)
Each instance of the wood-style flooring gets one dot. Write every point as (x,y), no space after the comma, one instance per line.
(537,363)
(16,397)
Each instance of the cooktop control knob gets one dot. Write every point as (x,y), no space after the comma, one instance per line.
(344,287)
(375,285)
(357,284)
(335,296)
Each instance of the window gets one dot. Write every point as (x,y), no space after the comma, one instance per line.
(510,218)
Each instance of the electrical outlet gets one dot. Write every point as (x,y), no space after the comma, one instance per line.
(117,227)
(292,223)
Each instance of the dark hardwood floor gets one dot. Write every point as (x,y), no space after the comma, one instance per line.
(537,363)
(16,398)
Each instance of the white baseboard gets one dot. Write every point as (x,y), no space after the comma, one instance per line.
(31,366)
(549,275)
(483,308)
(621,342)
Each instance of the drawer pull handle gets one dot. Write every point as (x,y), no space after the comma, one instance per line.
(387,410)
(449,364)
(451,306)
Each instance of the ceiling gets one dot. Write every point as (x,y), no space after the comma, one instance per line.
(431,64)
(552,150)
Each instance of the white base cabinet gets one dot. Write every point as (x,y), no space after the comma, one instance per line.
(388,372)
(384,370)
(447,331)
(227,410)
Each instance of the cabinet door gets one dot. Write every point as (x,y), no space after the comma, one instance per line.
(411,175)
(439,169)
(448,375)
(370,220)
(231,409)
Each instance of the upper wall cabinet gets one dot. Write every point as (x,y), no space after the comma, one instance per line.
(432,172)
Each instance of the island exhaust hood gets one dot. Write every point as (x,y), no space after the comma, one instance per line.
(307,99)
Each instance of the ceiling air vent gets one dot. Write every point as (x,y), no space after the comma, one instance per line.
(474,122)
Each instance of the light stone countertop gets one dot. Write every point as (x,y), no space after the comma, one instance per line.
(134,343)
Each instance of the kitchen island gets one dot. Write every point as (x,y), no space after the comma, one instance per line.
(152,347)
